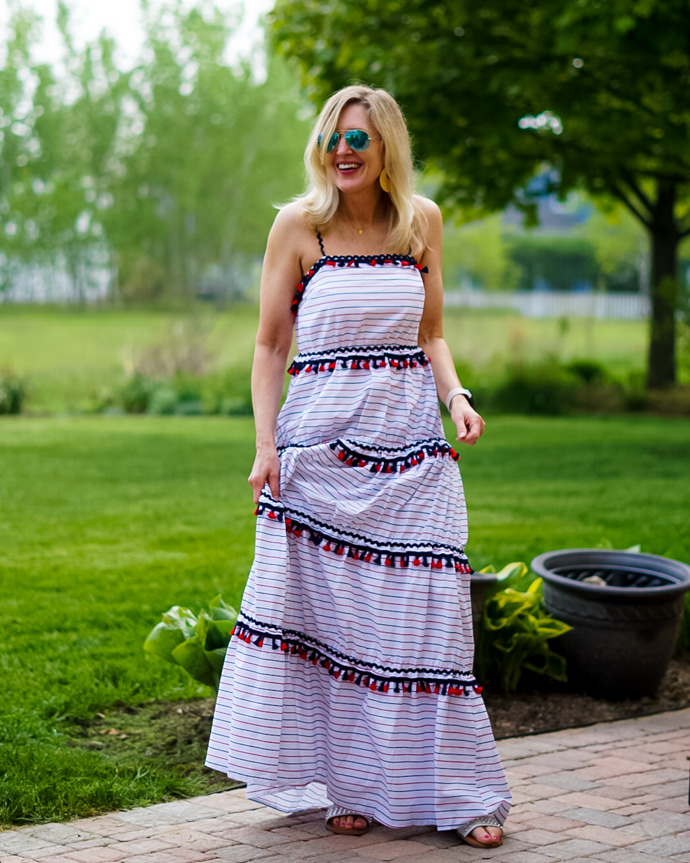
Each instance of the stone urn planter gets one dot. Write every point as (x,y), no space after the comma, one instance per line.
(625,609)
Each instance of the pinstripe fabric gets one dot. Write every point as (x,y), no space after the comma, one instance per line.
(349,679)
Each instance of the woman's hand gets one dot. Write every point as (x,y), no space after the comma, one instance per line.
(469,424)
(266,469)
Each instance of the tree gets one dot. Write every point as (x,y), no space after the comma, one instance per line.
(493,91)
(172,168)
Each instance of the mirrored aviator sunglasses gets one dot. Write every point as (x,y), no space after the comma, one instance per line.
(356,139)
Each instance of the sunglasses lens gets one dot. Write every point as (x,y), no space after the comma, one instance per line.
(333,143)
(357,139)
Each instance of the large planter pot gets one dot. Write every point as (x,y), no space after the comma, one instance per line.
(625,610)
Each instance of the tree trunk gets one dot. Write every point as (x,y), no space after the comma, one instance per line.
(661,365)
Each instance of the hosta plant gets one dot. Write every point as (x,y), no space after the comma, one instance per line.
(197,643)
(516,633)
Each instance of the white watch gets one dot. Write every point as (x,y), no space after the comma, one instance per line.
(456,391)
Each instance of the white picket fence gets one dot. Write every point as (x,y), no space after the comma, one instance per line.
(554,304)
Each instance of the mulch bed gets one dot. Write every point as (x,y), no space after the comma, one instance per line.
(539,711)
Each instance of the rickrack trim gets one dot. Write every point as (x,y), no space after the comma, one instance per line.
(340,666)
(380,556)
(352,261)
(379,464)
(363,358)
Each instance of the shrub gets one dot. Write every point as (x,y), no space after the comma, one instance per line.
(13,391)
(197,643)
(515,635)
(544,388)
(588,371)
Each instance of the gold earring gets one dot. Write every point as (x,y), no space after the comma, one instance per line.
(385,181)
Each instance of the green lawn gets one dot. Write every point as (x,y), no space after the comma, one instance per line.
(70,354)
(107,521)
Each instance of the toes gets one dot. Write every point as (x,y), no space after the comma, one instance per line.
(486,835)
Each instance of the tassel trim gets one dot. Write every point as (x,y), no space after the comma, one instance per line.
(352,261)
(340,666)
(374,357)
(379,464)
(368,552)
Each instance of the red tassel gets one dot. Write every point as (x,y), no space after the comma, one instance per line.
(417,561)
(256,511)
(308,369)
(355,555)
(403,562)
(365,364)
(331,366)
(322,368)
(389,561)
(404,263)
(341,455)
(373,686)
(327,547)
(327,664)
(339,550)
(232,632)
(284,647)
(361,463)
(367,557)
(478,689)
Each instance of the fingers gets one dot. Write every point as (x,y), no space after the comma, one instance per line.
(259,481)
(470,428)
(273,484)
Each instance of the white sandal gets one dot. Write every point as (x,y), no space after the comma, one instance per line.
(335,811)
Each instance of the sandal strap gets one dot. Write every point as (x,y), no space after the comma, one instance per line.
(482,821)
(335,811)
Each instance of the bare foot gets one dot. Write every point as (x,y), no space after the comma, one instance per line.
(349,822)
(487,835)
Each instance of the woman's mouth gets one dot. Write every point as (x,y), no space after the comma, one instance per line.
(348,167)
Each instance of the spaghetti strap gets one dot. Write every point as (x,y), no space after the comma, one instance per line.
(320,239)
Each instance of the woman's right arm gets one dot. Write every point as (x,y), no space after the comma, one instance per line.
(280,273)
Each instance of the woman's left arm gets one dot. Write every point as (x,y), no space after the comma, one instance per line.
(467,421)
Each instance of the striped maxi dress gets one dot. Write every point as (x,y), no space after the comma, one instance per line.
(349,678)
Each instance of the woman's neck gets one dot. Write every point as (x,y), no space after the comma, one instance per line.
(363,209)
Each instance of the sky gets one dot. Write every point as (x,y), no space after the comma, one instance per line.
(122,20)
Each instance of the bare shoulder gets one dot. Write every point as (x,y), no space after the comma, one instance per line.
(291,221)
(292,235)
(428,207)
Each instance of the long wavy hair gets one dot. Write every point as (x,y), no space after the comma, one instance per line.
(406,222)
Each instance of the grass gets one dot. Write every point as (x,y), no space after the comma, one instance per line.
(70,354)
(105,522)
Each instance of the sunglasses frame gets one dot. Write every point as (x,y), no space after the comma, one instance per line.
(343,133)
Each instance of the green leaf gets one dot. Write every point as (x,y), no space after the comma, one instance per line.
(162,640)
(191,656)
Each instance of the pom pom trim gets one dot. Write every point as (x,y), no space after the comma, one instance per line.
(356,547)
(349,669)
(353,456)
(366,357)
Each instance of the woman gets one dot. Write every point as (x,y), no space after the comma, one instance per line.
(348,683)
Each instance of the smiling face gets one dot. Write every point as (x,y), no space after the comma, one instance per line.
(354,170)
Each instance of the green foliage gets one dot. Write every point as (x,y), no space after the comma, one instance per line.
(588,371)
(543,388)
(196,643)
(162,173)
(596,92)
(516,634)
(13,390)
(562,261)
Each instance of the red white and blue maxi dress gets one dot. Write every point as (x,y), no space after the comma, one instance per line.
(348,679)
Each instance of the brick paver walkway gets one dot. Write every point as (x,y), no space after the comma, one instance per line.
(614,792)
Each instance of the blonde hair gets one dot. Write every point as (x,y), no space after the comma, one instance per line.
(407,223)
